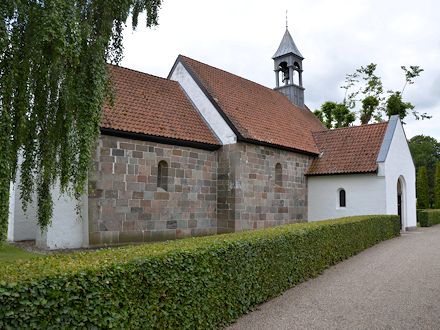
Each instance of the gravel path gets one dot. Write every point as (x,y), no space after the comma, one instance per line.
(393,285)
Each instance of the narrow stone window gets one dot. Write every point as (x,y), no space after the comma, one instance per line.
(342,201)
(162,175)
(278,175)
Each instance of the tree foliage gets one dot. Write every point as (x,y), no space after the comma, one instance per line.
(365,97)
(53,82)
(335,115)
(396,106)
(422,188)
(437,187)
(425,151)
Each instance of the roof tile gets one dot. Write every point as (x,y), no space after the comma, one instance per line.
(348,150)
(153,106)
(258,113)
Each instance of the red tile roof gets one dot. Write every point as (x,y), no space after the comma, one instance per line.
(153,106)
(257,113)
(348,150)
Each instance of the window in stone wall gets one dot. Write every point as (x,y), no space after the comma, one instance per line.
(162,175)
(342,201)
(278,175)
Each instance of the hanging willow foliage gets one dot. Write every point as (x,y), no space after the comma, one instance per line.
(53,82)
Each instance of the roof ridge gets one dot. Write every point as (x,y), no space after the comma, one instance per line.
(350,127)
(253,82)
(137,71)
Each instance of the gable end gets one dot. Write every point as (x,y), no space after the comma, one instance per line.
(387,139)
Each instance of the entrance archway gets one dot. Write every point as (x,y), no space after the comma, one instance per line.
(401,201)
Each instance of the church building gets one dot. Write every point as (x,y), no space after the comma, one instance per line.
(206,152)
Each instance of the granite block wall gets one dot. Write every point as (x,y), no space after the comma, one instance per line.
(249,198)
(126,205)
(208,192)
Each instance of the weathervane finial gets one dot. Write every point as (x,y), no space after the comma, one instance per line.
(287,23)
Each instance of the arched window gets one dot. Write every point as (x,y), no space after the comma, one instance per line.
(342,198)
(162,175)
(278,175)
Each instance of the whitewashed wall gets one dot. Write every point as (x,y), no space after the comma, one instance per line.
(66,230)
(365,194)
(10,236)
(399,163)
(201,102)
(370,193)
(21,226)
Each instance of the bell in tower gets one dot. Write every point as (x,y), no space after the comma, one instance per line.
(288,70)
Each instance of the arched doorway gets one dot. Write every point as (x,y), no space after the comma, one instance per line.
(401,197)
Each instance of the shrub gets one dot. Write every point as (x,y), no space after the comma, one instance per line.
(437,186)
(422,188)
(427,218)
(203,282)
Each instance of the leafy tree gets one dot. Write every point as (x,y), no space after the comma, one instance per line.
(335,115)
(53,82)
(369,105)
(437,187)
(396,106)
(422,188)
(364,93)
(425,151)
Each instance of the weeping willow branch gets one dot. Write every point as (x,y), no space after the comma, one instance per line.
(53,82)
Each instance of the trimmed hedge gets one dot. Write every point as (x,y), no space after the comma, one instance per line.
(427,218)
(202,283)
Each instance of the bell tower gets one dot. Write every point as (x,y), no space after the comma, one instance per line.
(288,70)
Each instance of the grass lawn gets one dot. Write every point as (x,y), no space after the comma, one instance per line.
(10,253)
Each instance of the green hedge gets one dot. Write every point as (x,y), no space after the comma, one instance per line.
(202,283)
(427,218)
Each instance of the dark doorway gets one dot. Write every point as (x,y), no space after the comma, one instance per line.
(400,200)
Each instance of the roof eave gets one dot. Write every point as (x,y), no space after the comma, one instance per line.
(159,139)
(342,173)
(275,56)
(277,146)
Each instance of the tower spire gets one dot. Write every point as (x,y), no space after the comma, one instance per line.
(288,69)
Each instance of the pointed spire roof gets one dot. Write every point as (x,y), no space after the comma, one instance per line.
(287,46)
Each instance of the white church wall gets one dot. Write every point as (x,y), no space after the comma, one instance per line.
(203,105)
(10,236)
(67,230)
(365,194)
(399,163)
(22,226)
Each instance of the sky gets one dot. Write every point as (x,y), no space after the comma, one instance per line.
(336,37)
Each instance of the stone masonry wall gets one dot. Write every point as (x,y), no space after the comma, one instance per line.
(125,204)
(247,195)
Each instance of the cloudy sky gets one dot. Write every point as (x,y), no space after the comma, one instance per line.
(336,37)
